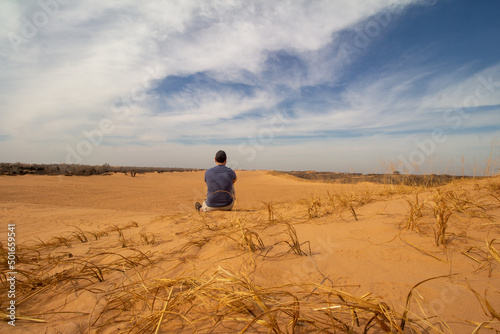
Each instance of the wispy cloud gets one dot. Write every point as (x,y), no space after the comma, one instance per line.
(177,75)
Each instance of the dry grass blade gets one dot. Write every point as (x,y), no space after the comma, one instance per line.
(490,308)
(421,250)
(485,304)
(471,257)
(4,316)
(483,324)
(404,318)
(493,251)
(163,311)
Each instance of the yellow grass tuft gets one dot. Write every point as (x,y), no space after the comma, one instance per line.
(442,212)
(415,212)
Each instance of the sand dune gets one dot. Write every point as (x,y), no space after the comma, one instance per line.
(113,254)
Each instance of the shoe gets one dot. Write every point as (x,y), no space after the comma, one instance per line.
(197,206)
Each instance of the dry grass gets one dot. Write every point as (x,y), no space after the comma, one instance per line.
(349,201)
(148,238)
(493,251)
(488,309)
(229,302)
(80,235)
(399,189)
(442,212)
(314,207)
(250,240)
(219,301)
(337,203)
(294,243)
(193,297)
(451,207)
(270,211)
(415,212)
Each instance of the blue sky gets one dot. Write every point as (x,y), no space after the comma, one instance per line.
(334,85)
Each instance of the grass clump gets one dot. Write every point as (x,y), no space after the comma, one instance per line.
(314,207)
(347,202)
(63,241)
(442,212)
(80,235)
(294,243)
(250,240)
(148,238)
(450,208)
(272,216)
(415,212)
(98,235)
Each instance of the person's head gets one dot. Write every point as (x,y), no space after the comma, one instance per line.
(220,157)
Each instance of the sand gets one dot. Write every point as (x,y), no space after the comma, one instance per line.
(106,254)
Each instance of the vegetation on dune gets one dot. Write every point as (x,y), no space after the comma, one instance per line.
(221,300)
(430,180)
(139,288)
(79,170)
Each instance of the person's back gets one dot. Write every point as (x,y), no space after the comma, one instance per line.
(220,189)
(219,181)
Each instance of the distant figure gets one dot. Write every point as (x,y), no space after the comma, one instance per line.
(220,189)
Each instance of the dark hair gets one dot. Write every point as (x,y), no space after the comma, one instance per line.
(220,156)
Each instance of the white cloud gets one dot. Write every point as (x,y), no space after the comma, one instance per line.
(458,90)
(67,76)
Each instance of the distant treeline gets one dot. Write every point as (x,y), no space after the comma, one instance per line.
(84,170)
(395,178)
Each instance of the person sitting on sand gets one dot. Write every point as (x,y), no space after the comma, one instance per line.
(220,189)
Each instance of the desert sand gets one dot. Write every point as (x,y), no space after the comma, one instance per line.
(119,254)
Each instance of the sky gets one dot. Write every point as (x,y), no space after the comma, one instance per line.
(365,86)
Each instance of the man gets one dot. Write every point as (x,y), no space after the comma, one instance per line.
(220,189)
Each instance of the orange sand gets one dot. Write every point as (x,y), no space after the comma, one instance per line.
(365,256)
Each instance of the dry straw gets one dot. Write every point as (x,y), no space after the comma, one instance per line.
(226,300)
(415,212)
(442,212)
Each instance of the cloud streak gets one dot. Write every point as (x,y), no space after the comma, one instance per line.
(180,75)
